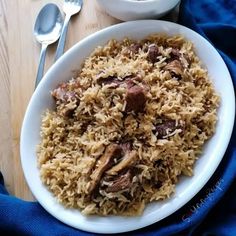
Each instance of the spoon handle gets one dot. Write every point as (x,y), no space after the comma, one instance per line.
(61,44)
(41,64)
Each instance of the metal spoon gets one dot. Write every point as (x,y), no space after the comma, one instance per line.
(70,7)
(47,30)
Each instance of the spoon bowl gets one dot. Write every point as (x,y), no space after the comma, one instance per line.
(47,30)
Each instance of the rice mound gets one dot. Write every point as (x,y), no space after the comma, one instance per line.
(166,134)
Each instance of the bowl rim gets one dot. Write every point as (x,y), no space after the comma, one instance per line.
(57,65)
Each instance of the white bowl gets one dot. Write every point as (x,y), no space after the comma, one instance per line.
(63,69)
(127,10)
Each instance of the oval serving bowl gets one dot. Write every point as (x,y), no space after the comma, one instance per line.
(187,187)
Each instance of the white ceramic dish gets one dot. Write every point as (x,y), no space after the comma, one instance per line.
(127,10)
(63,69)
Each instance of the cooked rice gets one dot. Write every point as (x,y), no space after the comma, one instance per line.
(72,144)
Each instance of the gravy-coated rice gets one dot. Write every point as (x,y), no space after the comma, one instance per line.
(134,119)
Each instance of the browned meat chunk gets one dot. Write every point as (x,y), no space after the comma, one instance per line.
(128,160)
(175,54)
(181,57)
(135,99)
(175,68)
(129,80)
(153,53)
(135,96)
(129,83)
(63,94)
(122,182)
(108,80)
(134,48)
(112,152)
(66,98)
(165,128)
(126,146)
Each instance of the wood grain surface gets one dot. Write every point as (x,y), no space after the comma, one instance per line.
(19,55)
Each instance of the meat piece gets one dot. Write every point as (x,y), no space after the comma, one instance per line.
(129,80)
(128,160)
(175,54)
(135,99)
(122,182)
(153,53)
(175,68)
(183,59)
(112,152)
(108,80)
(66,98)
(63,94)
(165,128)
(129,83)
(134,48)
(126,146)
(135,96)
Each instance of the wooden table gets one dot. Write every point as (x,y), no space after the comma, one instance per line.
(19,54)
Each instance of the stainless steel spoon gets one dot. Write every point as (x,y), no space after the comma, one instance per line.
(70,7)
(47,30)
